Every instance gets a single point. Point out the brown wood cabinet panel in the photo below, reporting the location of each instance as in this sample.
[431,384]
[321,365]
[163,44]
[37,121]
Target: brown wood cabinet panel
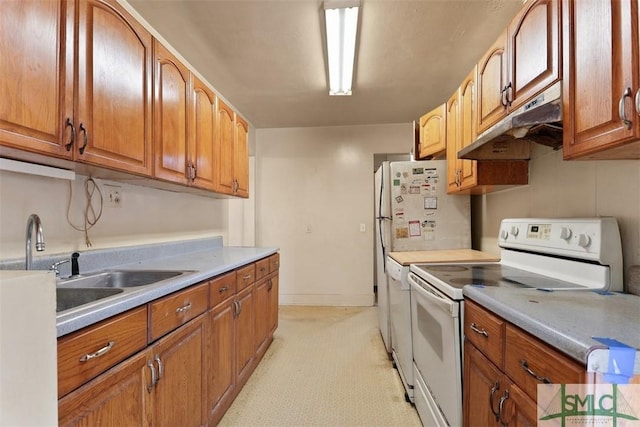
[262,268]
[433,133]
[241,157]
[171,97]
[221,288]
[221,356]
[180,393]
[245,335]
[454,139]
[468,121]
[167,313]
[482,389]
[113,111]
[534,51]
[117,398]
[36,87]
[203,126]
[245,276]
[492,79]
[262,314]
[274,303]
[519,410]
[84,354]
[600,42]
[223,149]
[485,331]
[527,352]
[274,262]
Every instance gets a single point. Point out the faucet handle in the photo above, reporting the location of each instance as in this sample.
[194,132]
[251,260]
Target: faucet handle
[75,268]
[54,267]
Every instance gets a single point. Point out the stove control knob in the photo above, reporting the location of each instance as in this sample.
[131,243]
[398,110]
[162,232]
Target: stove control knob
[504,234]
[584,240]
[565,233]
[514,230]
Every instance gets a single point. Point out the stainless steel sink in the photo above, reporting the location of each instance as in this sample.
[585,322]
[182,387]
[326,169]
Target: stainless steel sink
[119,279]
[67,298]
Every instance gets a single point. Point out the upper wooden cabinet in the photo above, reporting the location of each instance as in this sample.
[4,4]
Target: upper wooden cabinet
[601,84]
[231,152]
[170,131]
[524,61]
[113,110]
[433,134]
[36,87]
[203,128]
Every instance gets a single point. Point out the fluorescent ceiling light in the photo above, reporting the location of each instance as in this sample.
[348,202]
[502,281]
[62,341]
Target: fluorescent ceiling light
[341,19]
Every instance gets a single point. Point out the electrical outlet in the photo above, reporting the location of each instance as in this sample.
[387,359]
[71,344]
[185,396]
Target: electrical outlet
[113,199]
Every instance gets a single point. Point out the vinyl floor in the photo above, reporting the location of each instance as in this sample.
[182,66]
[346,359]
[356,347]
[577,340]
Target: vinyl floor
[327,366]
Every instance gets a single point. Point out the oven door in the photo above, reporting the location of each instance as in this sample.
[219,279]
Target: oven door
[437,352]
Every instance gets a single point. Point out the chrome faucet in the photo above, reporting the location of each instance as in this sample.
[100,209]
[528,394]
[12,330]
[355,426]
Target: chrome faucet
[34,220]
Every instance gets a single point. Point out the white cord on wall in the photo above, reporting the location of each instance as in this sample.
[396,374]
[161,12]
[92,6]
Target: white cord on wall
[90,216]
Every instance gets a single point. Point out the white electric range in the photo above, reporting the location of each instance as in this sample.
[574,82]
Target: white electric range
[546,254]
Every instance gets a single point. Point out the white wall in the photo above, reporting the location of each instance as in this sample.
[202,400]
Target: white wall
[559,188]
[322,178]
[146,216]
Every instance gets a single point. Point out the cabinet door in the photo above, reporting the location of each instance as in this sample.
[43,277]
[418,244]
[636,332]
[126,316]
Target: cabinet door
[203,127]
[245,340]
[221,356]
[179,394]
[241,158]
[453,142]
[119,397]
[36,88]
[483,389]
[599,46]
[519,410]
[468,177]
[224,146]
[274,303]
[433,133]
[261,329]
[113,116]
[534,51]
[492,76]
[171,95]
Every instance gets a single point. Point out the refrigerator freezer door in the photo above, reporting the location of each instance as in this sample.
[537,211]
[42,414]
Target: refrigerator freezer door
[423,216]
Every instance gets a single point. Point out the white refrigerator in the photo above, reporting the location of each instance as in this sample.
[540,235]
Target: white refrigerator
[414,213]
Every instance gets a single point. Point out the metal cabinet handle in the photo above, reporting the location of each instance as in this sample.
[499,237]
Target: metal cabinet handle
[475,329]
[270,286]
[104,350]
[73,134]
[154,378]
[638,101]
[160,367]
[223,289]
[503,399]
[239,307]
[622,108]
[503,101]
[495,388]
[507,90]
[85,138]
[525,366]
[247,277]
[184,308]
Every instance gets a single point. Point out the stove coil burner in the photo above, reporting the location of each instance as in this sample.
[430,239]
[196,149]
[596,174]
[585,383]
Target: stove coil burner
[446,268]
[473,281]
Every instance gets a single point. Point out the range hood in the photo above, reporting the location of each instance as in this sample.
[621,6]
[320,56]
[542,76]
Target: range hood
[539,121]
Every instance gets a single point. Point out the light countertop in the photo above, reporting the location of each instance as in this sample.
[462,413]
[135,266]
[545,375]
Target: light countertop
[566,320]
[447,255]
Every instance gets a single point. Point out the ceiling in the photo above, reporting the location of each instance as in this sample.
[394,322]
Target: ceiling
[267,57]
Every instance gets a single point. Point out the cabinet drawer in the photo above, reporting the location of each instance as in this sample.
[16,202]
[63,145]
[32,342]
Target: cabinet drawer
[262,268]
[274,263]
[176,309]
[222,288]
[527,353]
[484,330]
[245,276]
[85,354]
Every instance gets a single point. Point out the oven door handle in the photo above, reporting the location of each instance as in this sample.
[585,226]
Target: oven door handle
[444,303]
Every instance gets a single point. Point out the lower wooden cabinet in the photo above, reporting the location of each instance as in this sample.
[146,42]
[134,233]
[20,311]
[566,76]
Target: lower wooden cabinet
[187,377]
[118,397]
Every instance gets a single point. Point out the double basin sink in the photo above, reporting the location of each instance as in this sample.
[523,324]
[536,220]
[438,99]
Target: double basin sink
[76,291]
